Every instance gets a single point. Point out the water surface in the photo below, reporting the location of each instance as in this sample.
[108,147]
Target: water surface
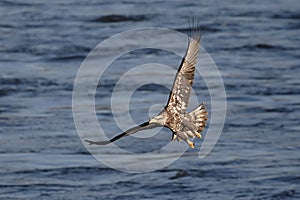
[256,47]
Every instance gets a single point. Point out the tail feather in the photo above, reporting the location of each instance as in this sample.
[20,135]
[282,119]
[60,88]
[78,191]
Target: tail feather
[197,121]
[199,117]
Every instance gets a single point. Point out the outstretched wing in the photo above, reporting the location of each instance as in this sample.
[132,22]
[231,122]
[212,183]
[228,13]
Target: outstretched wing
[180,94]
[130,131]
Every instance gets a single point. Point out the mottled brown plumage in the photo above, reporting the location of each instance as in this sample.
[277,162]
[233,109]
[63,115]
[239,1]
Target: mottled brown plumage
[183,124]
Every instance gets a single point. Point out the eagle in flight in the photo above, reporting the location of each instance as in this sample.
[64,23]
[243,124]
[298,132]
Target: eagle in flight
[183,124]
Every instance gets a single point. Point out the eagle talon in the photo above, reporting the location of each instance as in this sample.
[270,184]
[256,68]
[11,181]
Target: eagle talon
[191,144]
[198,135]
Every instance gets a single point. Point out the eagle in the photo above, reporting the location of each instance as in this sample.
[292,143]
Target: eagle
[184,125]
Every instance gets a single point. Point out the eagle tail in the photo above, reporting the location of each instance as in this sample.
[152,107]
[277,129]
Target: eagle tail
[199,117]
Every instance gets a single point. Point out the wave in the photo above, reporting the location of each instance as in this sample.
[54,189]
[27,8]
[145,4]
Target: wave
[119,18]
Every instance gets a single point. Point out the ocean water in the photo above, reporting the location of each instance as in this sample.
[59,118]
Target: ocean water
[255,45]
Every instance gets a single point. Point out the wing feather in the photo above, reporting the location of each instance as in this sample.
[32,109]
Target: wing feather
[180,94]
[130,131]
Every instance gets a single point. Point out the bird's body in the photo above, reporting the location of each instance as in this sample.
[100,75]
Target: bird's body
[183,125]
[174,116]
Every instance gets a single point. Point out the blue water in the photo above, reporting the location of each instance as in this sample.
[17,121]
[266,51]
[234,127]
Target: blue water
[256,47]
